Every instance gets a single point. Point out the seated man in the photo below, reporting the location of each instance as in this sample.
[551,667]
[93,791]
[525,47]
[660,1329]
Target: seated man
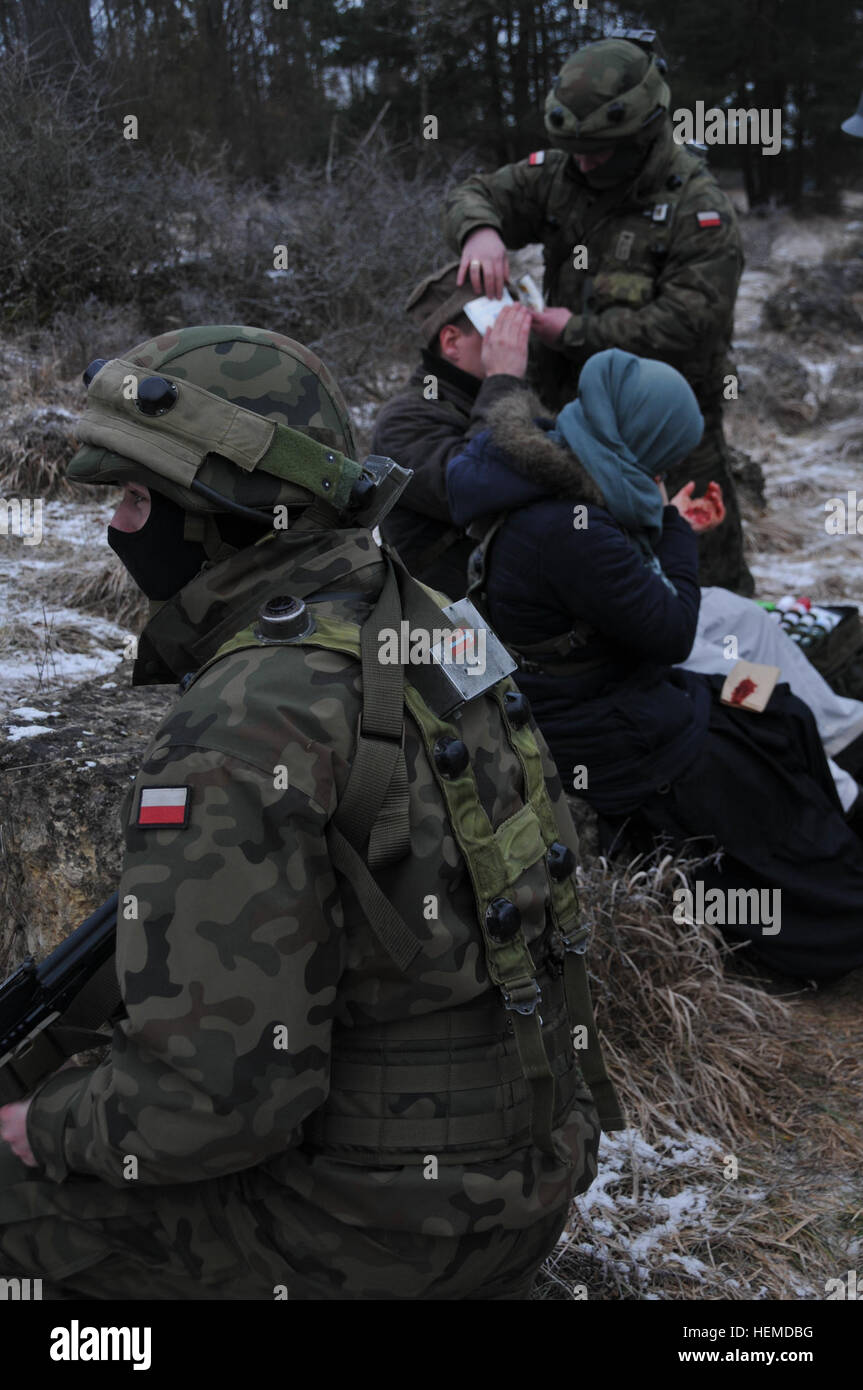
[424,433]
[460,375]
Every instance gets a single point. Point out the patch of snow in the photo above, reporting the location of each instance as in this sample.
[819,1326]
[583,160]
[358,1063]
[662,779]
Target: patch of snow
[19,731]
[27,712]
[53,411]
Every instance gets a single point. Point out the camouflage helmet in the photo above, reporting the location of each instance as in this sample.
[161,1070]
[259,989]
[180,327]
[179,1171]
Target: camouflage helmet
[222,418]
[607,93]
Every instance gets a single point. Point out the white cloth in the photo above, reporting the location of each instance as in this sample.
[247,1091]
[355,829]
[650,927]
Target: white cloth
[758,637]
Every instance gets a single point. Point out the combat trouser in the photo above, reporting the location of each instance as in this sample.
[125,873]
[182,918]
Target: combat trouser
[720,552]
[213,1240]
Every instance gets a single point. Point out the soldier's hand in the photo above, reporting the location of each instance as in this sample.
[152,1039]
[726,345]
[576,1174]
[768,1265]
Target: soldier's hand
[504,347]
[484,258]
[549,325]
[13,1129]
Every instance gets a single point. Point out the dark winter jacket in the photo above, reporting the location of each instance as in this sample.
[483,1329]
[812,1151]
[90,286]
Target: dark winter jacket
[629,720]
[424,435]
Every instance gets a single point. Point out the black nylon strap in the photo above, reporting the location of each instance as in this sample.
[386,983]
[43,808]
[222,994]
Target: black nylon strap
[437,548]
[75,1031]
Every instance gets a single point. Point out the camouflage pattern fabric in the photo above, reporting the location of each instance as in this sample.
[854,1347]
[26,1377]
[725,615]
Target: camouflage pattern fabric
[265,372]
[654,281]
[180,1166]
[605,94]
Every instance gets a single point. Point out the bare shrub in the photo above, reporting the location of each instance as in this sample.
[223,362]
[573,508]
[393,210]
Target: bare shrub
[76,199]
[357,240]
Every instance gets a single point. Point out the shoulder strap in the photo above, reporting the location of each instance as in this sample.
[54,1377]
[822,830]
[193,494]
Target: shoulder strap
[530,656]
[376,793]
[477,567]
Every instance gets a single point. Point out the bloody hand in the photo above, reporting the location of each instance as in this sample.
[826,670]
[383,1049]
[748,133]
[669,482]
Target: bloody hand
[703,513]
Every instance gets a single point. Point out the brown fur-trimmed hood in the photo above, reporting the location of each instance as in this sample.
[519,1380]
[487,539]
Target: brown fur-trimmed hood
[533,454]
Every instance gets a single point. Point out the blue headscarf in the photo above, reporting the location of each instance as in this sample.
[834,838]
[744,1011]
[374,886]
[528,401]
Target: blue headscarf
[632,420]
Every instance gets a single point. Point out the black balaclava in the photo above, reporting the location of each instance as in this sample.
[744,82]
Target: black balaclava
[621,168]
[158,557]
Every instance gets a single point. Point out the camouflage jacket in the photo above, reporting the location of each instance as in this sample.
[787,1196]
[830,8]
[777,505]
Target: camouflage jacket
[660,273]
[235,932]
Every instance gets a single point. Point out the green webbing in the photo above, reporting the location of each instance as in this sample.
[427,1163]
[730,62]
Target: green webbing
[510,965]
[580,1007]
[565,912]
[374,804]
[496,860]
[400,943]
[396,938]
[301,460]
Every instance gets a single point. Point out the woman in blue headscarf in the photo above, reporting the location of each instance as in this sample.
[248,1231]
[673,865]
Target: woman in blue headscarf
[592,581]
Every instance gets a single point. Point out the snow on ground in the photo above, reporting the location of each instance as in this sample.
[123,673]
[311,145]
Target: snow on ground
[644,1217]
[46,646]
[652,1205]
[631,1172]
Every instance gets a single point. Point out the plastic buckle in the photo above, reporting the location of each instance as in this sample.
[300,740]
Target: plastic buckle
[516,1001]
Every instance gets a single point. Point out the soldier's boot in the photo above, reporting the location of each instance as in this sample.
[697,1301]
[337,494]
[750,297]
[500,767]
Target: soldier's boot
[720,552]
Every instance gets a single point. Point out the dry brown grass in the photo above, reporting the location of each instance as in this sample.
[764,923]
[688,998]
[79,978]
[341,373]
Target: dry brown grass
[35,446]
[678,1025]
[106,590]
[711,1064]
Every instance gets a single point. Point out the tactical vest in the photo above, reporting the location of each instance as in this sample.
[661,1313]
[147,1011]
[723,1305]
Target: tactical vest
[471,1083]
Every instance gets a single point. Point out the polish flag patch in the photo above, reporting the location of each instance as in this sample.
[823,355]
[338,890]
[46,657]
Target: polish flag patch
[161,806]
[709,219]
[538,157]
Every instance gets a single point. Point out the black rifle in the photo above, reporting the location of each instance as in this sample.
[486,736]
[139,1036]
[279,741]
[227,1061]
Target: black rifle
[51,1010]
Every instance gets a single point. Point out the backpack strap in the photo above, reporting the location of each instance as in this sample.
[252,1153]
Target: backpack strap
[376,793]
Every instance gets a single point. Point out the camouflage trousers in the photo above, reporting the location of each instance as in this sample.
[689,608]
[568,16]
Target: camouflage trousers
[205,1241]
[720,552]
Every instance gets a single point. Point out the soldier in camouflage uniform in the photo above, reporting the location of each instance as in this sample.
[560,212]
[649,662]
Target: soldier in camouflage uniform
[642,252]
[332,1080]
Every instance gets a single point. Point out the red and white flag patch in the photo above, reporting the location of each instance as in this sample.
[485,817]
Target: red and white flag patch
[538,157]
[709,219]
[162,806]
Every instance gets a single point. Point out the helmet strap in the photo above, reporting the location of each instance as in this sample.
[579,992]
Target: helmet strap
[204,530]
